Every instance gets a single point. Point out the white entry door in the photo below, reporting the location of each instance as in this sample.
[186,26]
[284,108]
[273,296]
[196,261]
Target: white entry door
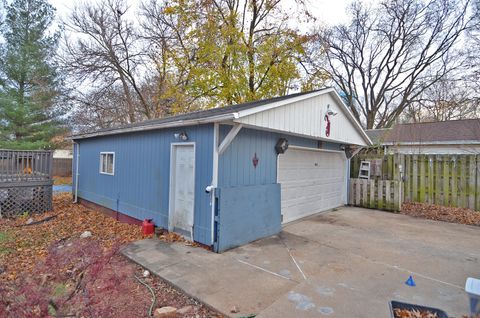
[182,189]
[311,181]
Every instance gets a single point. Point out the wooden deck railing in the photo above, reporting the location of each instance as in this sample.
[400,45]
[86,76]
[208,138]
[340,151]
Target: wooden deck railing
[25,182]
[24,166]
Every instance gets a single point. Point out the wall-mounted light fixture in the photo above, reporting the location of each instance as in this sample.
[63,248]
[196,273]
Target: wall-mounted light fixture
[181,136]
[330,112]
[281,146]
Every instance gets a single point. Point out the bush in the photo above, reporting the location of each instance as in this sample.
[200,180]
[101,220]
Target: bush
[73,281]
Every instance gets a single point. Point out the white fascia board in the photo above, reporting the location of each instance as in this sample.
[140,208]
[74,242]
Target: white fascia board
[178,123]
[251,111]
[296,134]
[331,91]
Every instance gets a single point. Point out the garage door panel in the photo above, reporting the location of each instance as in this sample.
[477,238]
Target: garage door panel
[311,181]
[311,198]
[313,185]
[312,192]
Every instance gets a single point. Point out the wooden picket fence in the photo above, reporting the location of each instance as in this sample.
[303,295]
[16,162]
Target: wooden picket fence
[449,180]
[375,194]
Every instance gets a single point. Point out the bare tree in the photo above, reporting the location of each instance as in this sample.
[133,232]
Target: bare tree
[391,53]
[94,109]
[447,99]
[107,58]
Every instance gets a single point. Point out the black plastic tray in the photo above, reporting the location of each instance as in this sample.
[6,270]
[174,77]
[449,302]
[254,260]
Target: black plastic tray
[396,304]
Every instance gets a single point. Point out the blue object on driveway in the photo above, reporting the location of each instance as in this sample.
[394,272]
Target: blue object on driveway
[62,188]
[410,281]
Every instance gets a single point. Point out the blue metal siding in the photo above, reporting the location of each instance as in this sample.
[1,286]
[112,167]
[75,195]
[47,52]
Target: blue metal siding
[140,186]
[249,197]
[246,214]
[235,164]
[235,167]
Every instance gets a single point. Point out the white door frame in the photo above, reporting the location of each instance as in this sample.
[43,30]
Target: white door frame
[171,197]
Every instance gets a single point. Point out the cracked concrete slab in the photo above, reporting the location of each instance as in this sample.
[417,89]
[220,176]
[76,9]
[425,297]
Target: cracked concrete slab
[345,263]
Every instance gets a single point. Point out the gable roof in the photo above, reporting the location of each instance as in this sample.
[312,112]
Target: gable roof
[220,114]
[442,132]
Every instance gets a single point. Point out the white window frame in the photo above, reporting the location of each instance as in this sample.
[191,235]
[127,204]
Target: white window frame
[113,162]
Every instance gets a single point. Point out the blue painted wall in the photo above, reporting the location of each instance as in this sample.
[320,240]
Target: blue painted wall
[140,186]
[249,197]
[235,166]
[246,214]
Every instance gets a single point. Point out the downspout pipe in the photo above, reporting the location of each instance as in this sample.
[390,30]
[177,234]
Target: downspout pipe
[77,159]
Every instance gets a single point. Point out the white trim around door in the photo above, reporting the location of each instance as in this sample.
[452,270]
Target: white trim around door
[185,225]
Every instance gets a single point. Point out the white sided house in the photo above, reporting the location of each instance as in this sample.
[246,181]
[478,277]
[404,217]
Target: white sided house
[225,176]
[454,137]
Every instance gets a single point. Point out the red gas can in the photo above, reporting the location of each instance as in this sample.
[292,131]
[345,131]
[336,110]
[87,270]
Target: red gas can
[147,227]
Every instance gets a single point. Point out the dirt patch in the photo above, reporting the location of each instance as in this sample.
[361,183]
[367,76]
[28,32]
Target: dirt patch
[442,213]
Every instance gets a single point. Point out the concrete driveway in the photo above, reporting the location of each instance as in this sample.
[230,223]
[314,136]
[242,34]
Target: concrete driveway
[345,263]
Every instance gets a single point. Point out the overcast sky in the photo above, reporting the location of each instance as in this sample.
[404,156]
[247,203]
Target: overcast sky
[327,11]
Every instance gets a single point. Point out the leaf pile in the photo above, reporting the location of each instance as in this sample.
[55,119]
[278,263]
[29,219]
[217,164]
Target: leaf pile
[442,213]
[80,279]
[21,247]
[57,180]
[413,313]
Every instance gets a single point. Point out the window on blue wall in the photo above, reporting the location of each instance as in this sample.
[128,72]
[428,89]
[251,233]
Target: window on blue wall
[107,163]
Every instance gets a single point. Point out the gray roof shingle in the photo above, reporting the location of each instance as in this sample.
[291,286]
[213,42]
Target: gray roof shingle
[437,132]
[202,114]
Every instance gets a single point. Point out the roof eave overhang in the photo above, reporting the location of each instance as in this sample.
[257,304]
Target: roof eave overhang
[231,116]
[331,91]
[286,132]
[177,123]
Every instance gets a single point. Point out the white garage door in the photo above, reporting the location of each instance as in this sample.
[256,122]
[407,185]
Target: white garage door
[311,181]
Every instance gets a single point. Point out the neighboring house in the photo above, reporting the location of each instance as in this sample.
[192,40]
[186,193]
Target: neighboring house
[225,176]
[446,137]
[63,153]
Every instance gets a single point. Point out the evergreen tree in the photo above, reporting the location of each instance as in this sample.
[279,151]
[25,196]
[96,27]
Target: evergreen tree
[29,80]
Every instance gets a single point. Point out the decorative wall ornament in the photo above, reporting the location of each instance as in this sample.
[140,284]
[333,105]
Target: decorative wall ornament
[255,160]
[328,114]
[327,127]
